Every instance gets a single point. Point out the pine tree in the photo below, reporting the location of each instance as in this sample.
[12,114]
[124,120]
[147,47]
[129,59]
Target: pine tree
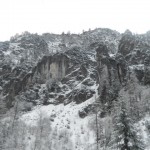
[125,135]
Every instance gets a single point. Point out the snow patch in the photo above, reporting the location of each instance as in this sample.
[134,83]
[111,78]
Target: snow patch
[138,67]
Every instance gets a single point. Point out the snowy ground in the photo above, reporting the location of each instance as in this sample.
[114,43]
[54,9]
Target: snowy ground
[143,130]
[66,118]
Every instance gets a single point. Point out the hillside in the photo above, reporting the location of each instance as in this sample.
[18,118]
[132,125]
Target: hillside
[88,91]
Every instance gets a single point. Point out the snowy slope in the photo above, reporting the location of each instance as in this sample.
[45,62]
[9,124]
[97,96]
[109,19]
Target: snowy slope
[66,118]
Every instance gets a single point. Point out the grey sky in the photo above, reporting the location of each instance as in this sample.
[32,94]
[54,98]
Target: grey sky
[40,16]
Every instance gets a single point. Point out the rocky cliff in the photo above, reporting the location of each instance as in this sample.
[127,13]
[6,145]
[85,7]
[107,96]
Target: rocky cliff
[89,73]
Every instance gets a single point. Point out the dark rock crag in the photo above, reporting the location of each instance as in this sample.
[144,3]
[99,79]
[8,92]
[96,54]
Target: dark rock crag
[102,56]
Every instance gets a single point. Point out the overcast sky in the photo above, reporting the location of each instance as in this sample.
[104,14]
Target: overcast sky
[40,16]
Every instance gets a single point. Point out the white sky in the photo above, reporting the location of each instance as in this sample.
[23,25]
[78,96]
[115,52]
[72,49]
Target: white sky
[40,16]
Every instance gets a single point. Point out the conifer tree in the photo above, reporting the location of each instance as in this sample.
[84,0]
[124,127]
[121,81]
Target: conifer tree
[125,135]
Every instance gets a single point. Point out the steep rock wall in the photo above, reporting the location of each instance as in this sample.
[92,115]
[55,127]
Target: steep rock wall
[112,74]
[49,68]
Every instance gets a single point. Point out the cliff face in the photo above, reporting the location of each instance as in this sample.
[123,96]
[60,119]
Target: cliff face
[104,64]
[115,71]
[112,72]
[49,68]
[136,49]
[29,60]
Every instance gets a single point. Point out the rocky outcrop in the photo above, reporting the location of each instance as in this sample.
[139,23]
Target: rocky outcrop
[127,43]
[114,71]
[80,95]
[38,75]
[111,72]
[50,68]
[147,70]
[135,50]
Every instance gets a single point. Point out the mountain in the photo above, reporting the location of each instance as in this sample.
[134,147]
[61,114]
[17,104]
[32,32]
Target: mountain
[88,91]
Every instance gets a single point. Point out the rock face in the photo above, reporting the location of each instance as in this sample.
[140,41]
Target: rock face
[135,49]
[49,68]
[114,71]
[111,72]
[127,43]
[147,70]
[52,69]
[80,95]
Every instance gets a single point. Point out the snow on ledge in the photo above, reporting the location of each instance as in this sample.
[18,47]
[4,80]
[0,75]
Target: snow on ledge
[137,67]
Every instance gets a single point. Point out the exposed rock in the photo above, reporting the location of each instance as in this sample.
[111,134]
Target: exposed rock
[147,70]
[127,43]
[87,110]
[111,73]
[88,82]
[80,95]
[82,114]
[60,98]
[139,74]
[43,76]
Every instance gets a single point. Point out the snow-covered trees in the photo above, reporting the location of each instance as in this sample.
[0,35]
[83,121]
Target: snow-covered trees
[125,135]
